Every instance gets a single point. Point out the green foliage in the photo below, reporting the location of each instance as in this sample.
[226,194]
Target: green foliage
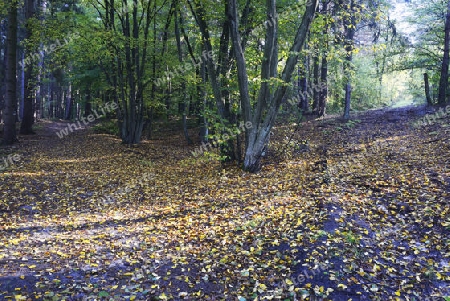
[107,126]
[367,88]
[424,53]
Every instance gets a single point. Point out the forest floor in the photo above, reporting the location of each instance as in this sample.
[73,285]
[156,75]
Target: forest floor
[359,212]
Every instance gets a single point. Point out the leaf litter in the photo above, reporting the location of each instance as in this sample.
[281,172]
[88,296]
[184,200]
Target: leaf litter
[362,215]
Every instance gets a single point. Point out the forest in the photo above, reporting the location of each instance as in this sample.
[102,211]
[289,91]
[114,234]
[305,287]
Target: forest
[225,150]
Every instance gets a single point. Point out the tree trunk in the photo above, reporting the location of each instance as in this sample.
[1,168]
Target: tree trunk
[68,103]
[427,89]
[323,92]
[218,73]
[10,111]
[26,127]
[131,73]
[211,65]
[185,101]
[347,100]
[88,104]
[3,31]
[443,83]
[315,80]
[349,26]
[259,121]
[204,129]
[303,87]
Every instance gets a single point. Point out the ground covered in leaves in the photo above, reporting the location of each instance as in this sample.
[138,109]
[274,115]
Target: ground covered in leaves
[340,211]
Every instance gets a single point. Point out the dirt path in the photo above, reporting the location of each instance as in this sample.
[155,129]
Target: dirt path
[85,217]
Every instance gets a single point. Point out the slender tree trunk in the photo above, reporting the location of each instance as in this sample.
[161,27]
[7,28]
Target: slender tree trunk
[38,94]
[218,72]
[185,101]
[60,102]
[349,25]
[427,89]
[323,92]
[88,104]
[303,86]
[315,80]
[51,97]
[20,78]
[68,103]
[28,112]
[10,111]
[136,46]
[213,75]
[204,130]
[443,83]
[259,121]
[153,90]
[347,100]
[3,32]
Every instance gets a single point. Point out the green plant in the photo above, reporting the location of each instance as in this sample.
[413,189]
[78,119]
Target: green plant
[107,126]
[147,163]
[351,238]
[352,123]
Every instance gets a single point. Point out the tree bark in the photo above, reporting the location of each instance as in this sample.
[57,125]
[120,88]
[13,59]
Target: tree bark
[69,103]
[323,92]
[218,72]
[427,89]
[315,80]
[443,83]
[268,104]
[303,87]
[3,32]
[349,26]
[133,68]
[185,101]
[10,111]
[26,127]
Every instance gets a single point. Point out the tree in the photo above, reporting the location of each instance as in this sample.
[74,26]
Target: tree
[322,101]
[185,101]
[218,68]
[262,116]
[10,110]
[28,112]
[127,28]
[443,83]
[430,19]
[350,30]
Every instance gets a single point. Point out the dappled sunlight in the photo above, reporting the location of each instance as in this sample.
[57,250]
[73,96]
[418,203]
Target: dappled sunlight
[224,150]
[78,160]
[160,223]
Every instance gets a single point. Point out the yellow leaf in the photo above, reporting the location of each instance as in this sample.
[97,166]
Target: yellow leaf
[132,297]
[397,293]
